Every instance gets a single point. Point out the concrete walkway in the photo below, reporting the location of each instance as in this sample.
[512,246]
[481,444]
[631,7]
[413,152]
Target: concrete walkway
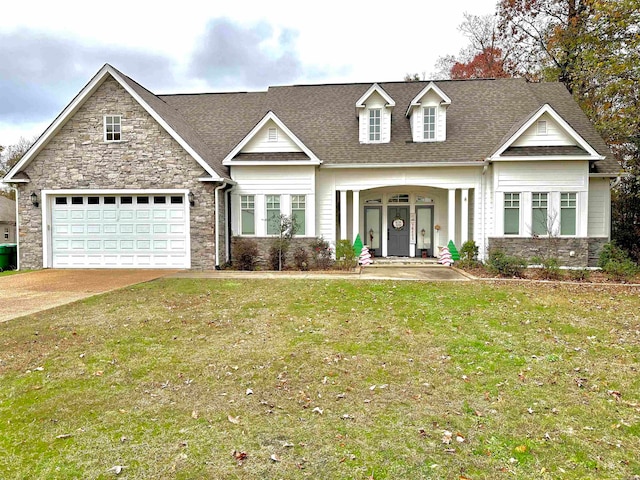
[431,273]
[30,292]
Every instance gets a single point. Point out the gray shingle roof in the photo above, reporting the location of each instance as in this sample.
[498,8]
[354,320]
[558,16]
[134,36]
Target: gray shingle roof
[538,151]
[483,113]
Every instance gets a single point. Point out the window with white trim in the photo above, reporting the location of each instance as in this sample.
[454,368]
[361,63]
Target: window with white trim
[298,212]
[511,213]
[273,214]
[247,215]
[539,213]
[112,128]
[568,213]
[429,123]
[375,118]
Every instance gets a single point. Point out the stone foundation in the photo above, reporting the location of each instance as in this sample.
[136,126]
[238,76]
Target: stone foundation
[585,250]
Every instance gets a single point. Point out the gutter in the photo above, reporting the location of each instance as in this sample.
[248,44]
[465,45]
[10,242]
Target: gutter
[17,228]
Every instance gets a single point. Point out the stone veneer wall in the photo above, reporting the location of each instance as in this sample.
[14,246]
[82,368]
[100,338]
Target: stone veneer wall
[148,157]
[595,247]
[584,248]
[264,243]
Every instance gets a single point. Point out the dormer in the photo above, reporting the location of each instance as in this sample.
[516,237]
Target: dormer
[427,114]
[374,113]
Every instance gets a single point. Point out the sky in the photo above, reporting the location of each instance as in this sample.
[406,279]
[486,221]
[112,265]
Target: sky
[50,49]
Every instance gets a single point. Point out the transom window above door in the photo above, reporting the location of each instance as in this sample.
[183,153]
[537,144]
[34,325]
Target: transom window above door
[399,198]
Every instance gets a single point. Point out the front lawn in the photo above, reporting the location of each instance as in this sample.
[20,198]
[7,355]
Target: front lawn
[325,380]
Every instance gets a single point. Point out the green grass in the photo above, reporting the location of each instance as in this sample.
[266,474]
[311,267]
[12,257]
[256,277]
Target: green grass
[540,381]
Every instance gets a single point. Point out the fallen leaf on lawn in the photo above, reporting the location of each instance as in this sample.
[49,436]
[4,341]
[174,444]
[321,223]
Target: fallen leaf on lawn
[39,369]
[234,420]
[446,437]
[275,458]
[65,435]
[459,438]
[249,391]
[239,456]
[194,415]
[287,445]
[98,373]
[449,450]
[116,469]
[615,394]
[521,448]
[317,410]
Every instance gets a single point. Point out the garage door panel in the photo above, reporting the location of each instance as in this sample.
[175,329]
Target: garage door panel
[119,231]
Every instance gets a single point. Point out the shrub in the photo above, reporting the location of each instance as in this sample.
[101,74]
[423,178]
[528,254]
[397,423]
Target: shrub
[610,251]
[345,256]
[549,267]
[468,254]
[621,270]
[321,254]
[504,265]
[245,253]
[301,258]
[580,275]
[278,253]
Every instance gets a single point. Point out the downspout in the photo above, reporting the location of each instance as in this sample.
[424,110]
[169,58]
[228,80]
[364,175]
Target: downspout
[217,221]
[485,167]
[17,229]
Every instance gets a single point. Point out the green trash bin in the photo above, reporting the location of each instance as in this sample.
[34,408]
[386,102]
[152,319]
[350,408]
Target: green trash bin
[13,255]
[4,258]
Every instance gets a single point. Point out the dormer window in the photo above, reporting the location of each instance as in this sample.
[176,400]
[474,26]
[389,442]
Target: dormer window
[373,110]
[112,128]
[429,123]
[374,124]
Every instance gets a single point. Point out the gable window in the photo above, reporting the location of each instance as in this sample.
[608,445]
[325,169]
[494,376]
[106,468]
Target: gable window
[429,123]
[568,208]
[298,205]
[539,214]
[375,115]
[511,213]
[247,209]
[112,128]
[273,214]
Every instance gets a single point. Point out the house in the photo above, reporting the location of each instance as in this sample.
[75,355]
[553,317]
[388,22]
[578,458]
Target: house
[7,220]
[127,178]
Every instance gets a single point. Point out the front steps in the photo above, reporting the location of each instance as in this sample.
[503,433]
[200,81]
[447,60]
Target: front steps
[404,262]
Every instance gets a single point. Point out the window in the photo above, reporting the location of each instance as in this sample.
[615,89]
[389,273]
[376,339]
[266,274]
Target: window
[61,200]
[109,200]
[77,200]
[126,200]
[160,200]
[112,128]
[142,200]
[568,207]
[273,214]
[429,123]
[176,199]
[399,198]
[272,135]
[374,124]
[539,214]
[247,209]
[298,204]
[93,200]
[542,127]
[511,213]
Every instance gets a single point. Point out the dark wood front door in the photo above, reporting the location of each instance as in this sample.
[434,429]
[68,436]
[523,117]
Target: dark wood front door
[398,231]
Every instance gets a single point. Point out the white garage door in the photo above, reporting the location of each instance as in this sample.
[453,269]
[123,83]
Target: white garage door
[119,231]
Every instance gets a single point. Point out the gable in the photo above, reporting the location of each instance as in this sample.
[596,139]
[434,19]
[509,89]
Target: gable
[270,139]
[544,132]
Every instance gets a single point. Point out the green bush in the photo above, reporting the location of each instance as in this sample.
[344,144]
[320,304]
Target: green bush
[345,256]
[321,254]
[301,258]
[468,255]
[621,270]
[610,251]
[505,265]
[580,275]
[245,253]
[278,253]
[549,267]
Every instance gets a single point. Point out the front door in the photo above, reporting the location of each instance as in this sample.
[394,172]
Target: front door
[398,231]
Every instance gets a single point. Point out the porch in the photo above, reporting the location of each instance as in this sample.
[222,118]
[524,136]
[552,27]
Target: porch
[408,221]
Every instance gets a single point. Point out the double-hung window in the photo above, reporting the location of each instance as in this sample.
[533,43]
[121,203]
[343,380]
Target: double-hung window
[112,128]
[298,207]
[568,209]
[539,213]
[248,214]
[374,124]
[429,123]
[511,213]
[273,214]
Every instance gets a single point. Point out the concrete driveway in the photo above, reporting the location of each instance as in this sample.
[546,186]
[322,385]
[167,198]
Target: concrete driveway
[31,292]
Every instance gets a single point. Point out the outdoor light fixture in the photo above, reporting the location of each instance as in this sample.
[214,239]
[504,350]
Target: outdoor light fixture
[192,200]
[34,199]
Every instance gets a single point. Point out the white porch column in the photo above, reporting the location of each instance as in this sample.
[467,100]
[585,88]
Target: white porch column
[452,216]
[464,216]
[356,214]
[343,214]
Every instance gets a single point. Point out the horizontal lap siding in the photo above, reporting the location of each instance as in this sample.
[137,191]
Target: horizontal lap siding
[599,207]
